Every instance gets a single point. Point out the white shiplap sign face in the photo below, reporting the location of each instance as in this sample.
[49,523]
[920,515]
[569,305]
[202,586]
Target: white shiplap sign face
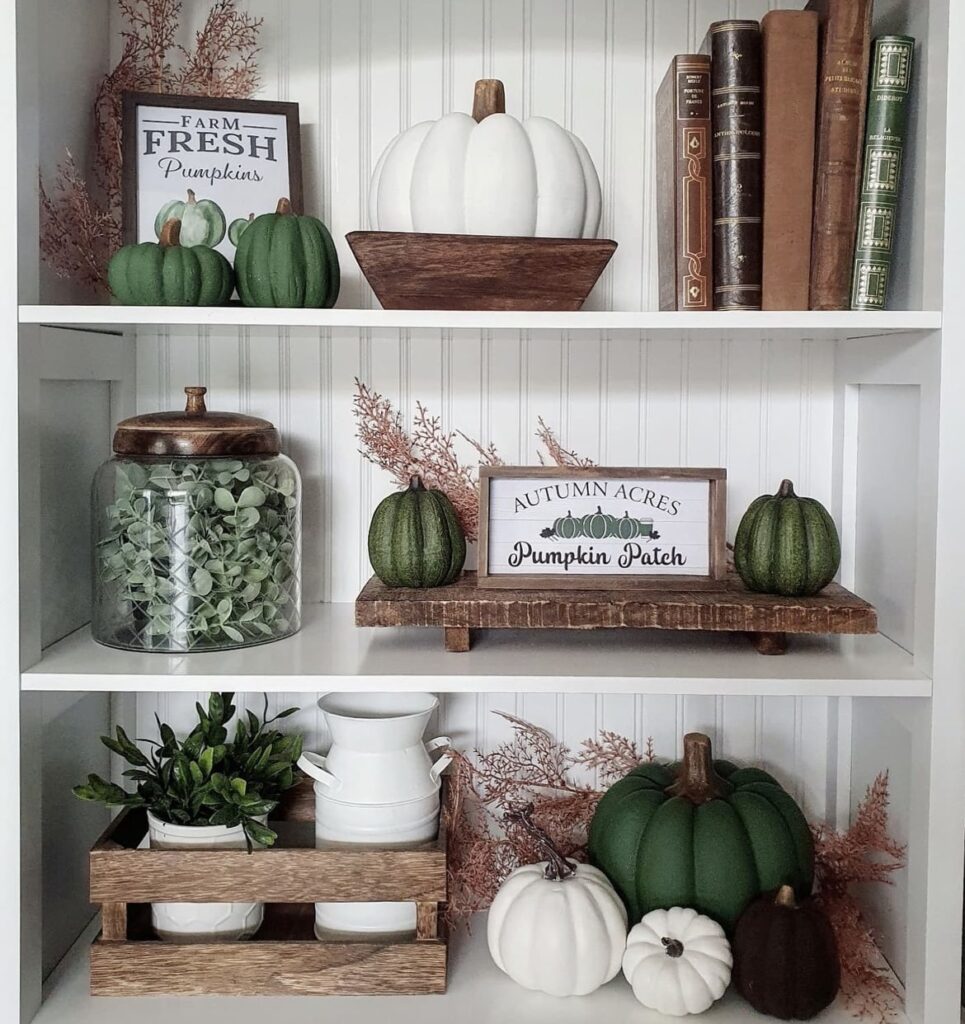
[605,526]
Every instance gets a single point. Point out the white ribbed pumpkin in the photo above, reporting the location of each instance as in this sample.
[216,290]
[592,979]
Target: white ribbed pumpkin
[677,961]
[488,174]
[558,927]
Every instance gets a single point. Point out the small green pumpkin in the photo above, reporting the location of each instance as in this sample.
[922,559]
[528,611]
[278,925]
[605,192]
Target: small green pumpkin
[702,834]
[202,220]
[787,545]
[237,228]
[598,524]
[168,274]
[626,528]
[287,261]
[567,527]
[415,539]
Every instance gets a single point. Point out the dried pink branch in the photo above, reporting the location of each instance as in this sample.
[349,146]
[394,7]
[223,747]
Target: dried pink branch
[559,455]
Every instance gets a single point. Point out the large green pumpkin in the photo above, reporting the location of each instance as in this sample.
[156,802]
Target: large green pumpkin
[415,539]
[168,274]
[702,834]
[286,261]
[202,221]
[787,545]
[598,524]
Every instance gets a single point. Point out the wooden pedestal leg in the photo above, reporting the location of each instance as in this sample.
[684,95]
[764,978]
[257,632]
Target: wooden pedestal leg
[769,643]
[426,922]
[114,922]
[457,639]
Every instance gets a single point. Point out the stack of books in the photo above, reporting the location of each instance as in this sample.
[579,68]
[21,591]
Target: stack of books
[779,158]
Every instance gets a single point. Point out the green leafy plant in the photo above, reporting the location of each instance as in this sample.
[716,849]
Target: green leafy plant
[206,779]
[197,554]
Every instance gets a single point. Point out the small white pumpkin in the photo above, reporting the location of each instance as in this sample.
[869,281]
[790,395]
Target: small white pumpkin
[677,961]
[488,174]
[557,927]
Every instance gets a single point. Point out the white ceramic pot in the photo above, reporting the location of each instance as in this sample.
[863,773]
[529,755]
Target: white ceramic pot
[202,922]
[379,786]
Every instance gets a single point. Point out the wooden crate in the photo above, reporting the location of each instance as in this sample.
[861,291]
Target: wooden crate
[766,619]
[284,958]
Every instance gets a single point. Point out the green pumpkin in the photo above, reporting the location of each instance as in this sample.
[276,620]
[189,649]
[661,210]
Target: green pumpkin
[701,834]
[286,261]
[237,228]
[598,524]
[415,539]
[787,545]
[568,528]
[168,274]
[625,528]
[202,221]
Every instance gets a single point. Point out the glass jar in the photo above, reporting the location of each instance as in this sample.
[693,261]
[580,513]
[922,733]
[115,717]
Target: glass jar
[196,545]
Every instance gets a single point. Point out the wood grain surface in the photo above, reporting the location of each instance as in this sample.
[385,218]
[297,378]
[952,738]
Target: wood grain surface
[412,270]
[730,607]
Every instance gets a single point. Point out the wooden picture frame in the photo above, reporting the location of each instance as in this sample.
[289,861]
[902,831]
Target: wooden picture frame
[716,560]
[210,142]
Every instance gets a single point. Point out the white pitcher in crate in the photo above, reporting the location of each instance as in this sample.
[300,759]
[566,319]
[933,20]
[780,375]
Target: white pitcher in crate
[378,785]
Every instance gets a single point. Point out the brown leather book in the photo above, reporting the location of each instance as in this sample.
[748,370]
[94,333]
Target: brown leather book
[790,56]
[684,214]
[842,99]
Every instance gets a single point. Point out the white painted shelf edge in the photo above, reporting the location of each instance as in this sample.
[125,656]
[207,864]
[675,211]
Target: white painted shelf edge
[478,994]
[843,324]
[331,652]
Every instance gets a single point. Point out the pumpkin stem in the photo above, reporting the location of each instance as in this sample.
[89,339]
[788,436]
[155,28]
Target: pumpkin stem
[697,780]
[785,898]
[170,233]
[415,483]
[284,206]
[558,868]
[786,490]
[192,198]
[195,405]
[489,98]
[673,947]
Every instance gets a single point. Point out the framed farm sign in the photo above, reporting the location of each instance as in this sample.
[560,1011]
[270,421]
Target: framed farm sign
[601,528]
[209,162]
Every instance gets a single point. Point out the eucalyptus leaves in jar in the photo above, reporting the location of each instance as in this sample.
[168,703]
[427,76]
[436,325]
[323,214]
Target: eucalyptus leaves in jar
[196,522]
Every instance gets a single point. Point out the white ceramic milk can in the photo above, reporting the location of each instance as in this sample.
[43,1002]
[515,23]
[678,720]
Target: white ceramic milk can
[377,785]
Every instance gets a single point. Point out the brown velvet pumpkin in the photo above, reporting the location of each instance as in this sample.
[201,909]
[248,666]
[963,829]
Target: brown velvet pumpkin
[785,957]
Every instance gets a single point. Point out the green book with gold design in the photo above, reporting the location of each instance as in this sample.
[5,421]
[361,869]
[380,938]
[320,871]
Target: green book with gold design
[892,59]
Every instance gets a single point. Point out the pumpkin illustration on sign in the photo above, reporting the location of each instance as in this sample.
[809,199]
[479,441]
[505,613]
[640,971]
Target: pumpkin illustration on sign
[237,228]
[785,957]
[415,539]
[202,220]
[556,927]
[487,174]
[702,834]
[787,545]
[285,261]
[168,274]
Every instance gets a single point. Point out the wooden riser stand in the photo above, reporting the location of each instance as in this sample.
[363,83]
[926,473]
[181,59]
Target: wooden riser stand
[284,958]
[767,620]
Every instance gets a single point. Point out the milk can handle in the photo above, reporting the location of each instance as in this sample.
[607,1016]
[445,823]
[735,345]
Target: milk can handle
[443,762]
[313,765]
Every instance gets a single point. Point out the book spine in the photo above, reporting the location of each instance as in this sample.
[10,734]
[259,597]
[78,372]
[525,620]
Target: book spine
[684,181]
[790,82]
[736,115]
[842,98]
[891,76]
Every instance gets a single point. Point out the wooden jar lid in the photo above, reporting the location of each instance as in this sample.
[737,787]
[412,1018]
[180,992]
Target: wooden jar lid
[195,432]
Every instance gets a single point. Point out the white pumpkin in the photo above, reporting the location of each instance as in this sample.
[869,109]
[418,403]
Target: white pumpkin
[488,174]
[677,961]
[558,927]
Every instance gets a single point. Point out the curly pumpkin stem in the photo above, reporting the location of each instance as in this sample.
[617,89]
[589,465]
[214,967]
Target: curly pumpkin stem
[786,490]
[674,948]
[558,868]
[284,206]
[489,98]
[170,233]
[785,898]
[697,780]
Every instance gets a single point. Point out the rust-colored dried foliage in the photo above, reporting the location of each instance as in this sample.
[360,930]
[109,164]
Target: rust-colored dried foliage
[80,221]
[431,452]
[534,767]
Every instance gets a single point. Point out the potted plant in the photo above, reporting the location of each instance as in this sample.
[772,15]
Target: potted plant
[205,792]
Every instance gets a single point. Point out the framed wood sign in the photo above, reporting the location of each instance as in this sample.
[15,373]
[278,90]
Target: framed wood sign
[210,162]
[601,528]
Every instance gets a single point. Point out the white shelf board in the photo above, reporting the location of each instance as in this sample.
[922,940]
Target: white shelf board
[839,324]
[478,993]
[332,653]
